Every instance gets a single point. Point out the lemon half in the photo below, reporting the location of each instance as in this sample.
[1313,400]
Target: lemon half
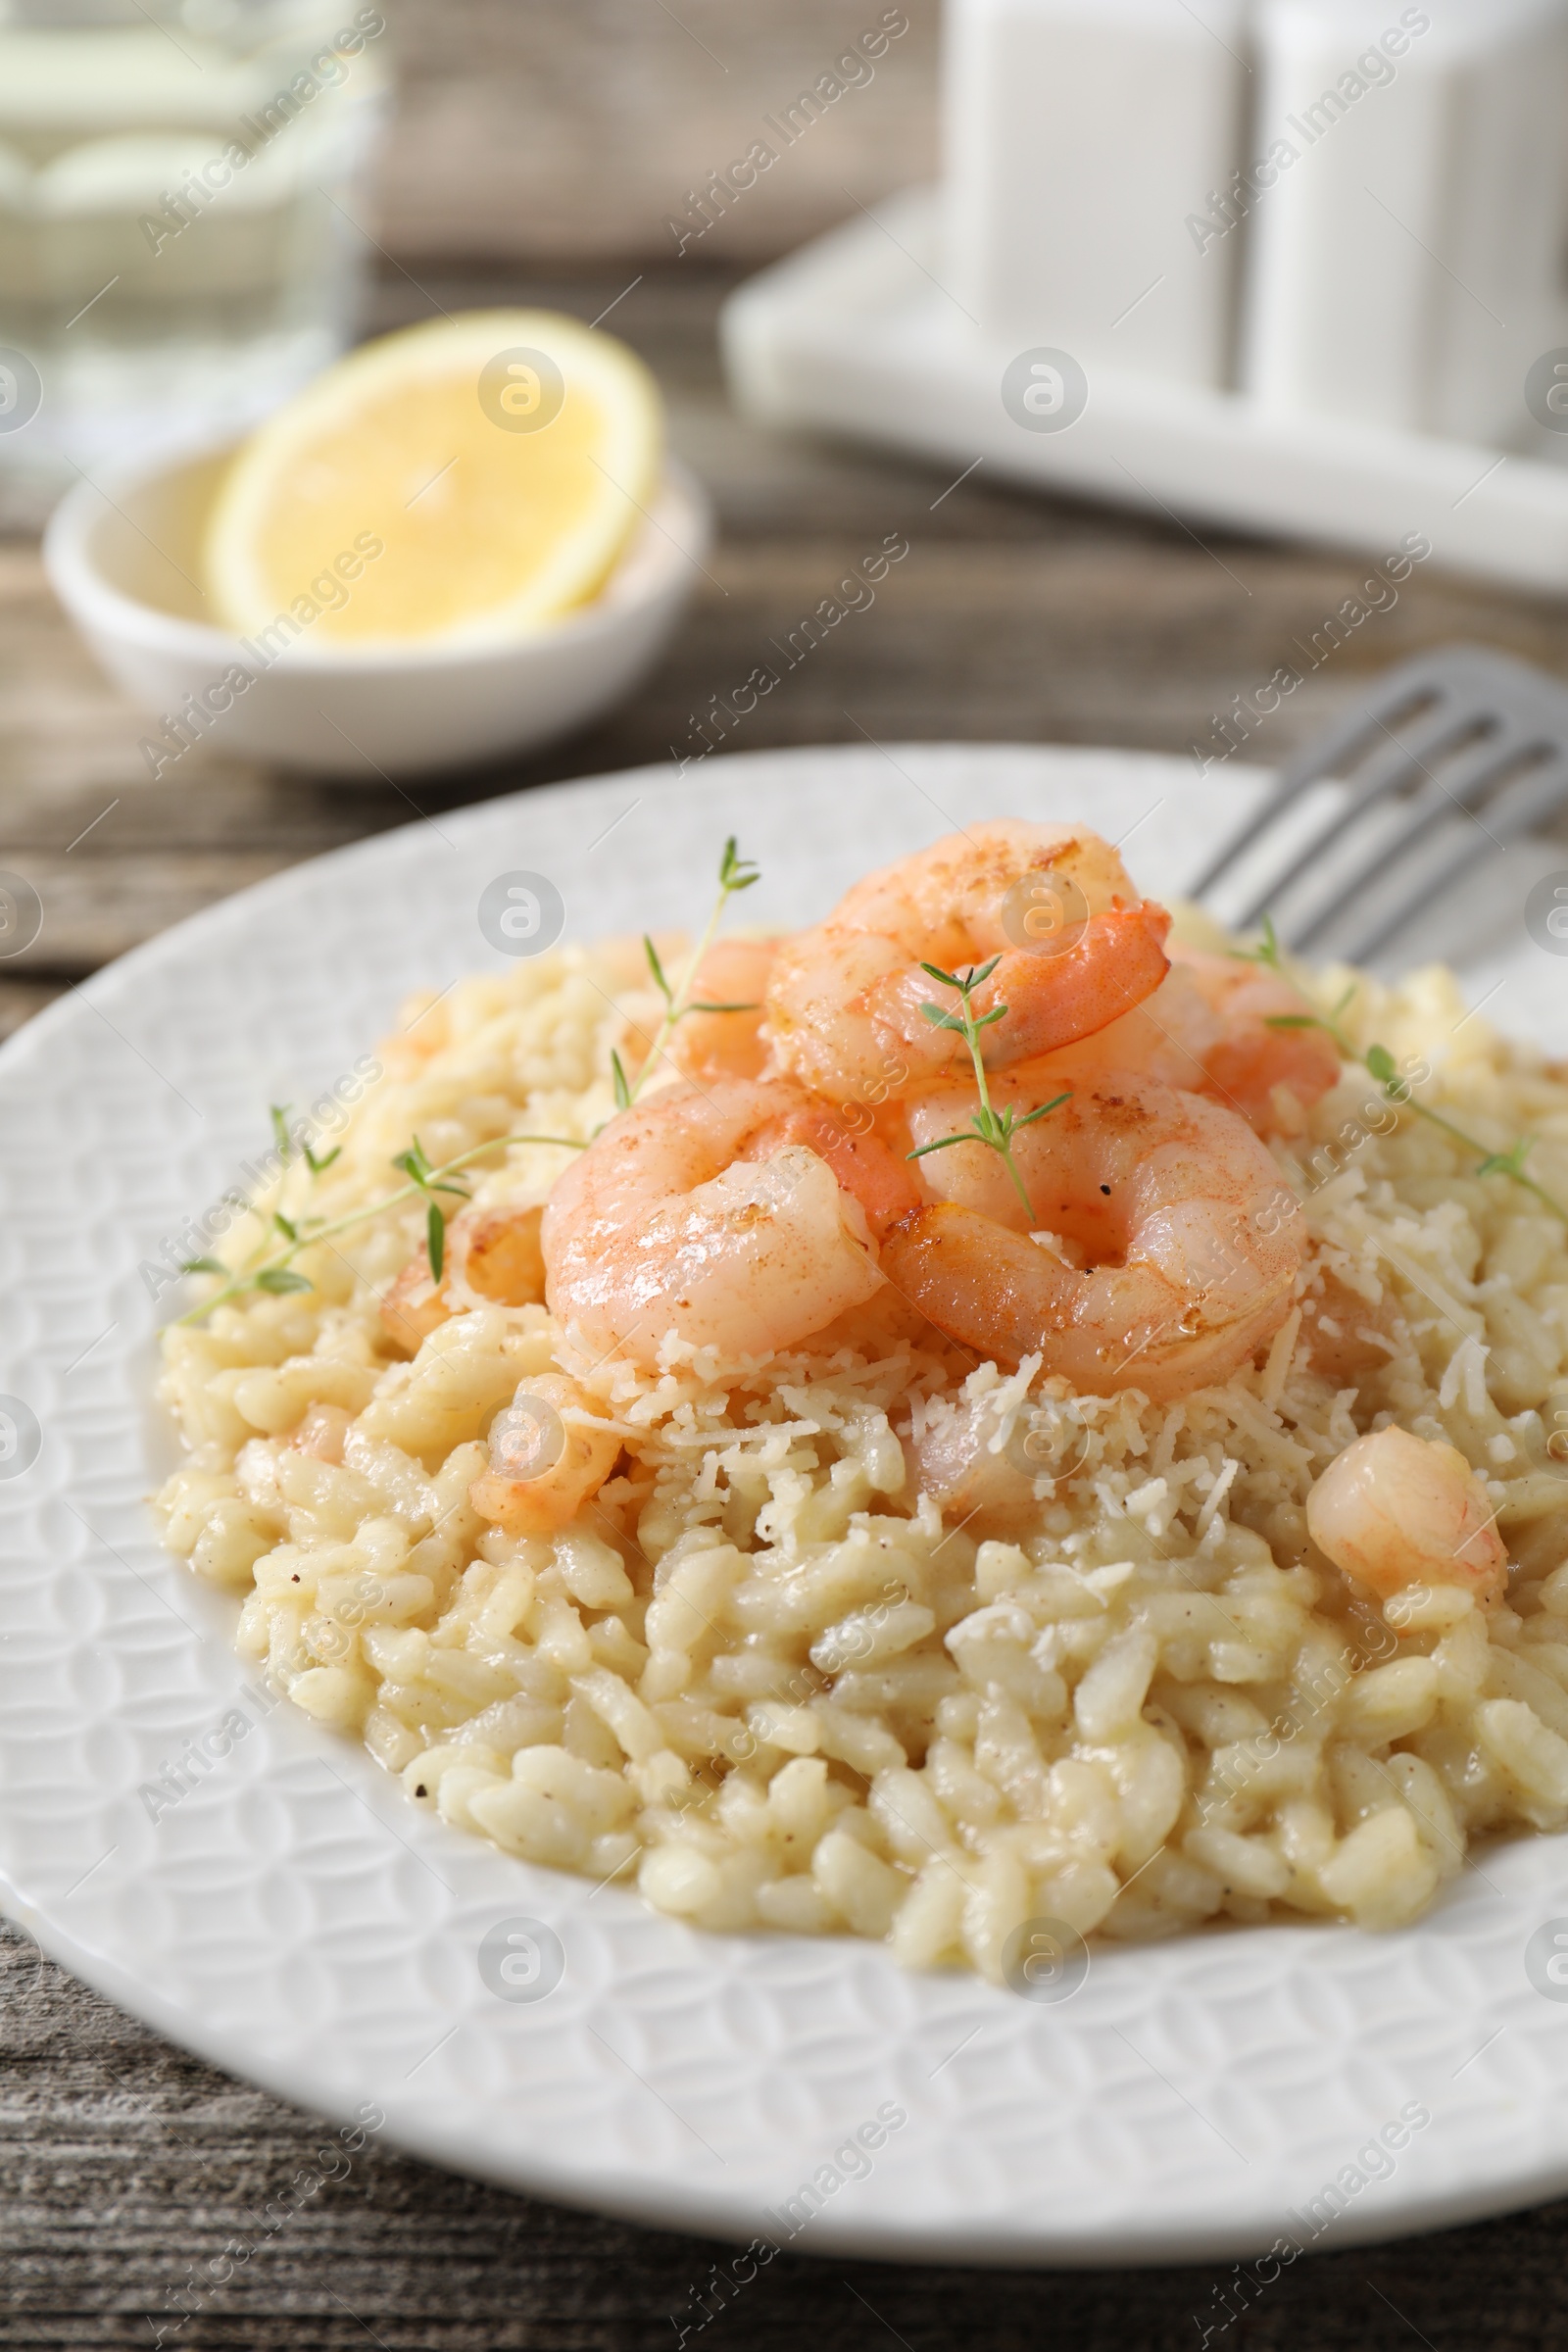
[473,478]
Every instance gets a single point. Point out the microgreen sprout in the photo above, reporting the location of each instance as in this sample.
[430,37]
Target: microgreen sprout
[993,1128]
[277,1273]
[735,874]
[415,1165]
[1380,1065]
[316,1161]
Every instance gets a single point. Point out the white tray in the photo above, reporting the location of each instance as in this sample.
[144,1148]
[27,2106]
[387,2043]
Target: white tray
[855,335]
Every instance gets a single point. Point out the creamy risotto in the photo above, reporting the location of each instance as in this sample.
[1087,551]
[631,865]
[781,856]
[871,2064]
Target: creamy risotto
[874,1632]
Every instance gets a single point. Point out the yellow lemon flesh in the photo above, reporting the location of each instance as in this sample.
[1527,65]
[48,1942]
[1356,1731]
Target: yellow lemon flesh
[472,478]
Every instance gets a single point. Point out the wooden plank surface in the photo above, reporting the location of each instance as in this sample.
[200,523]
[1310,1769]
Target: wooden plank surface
[550,131]
[124,2165]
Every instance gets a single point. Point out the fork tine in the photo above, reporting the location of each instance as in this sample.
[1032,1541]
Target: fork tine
[1445,734]
[1485,768]
[1341,746]
[1279,799]
[1442,701]
[1406,694]
[1539,797]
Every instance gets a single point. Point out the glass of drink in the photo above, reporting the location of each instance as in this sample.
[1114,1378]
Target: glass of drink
[177,243]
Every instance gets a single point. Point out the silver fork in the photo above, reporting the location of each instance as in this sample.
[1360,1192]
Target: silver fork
[1451,757]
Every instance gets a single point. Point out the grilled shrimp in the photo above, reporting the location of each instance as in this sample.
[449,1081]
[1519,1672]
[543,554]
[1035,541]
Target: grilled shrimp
[735,972]
[1168,1254]
[1076,948]
[1205,1029]
[664,1224]
[492,1259]
[548,1454]
[747,1213]
[1395,1509]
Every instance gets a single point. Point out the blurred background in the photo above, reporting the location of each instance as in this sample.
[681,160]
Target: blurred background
[480,152]
[569,133]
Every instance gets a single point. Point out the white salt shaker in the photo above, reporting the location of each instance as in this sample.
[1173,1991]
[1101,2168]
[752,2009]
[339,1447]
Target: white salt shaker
[1404,266]
[1079,135]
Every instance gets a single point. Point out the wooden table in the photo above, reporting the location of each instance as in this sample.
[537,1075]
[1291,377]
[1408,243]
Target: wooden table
[124,2165]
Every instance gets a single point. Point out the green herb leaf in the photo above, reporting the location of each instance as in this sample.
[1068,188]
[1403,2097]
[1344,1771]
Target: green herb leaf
[658,970]
[1267,951]
[435,1239]
[278,1277]
[285,1226]
[285,1142]
[1379,1063]
[988,1126]
[734,873]
[1291,1020]
[1510,1162]
[1383,1067]
[414,1164]
[943,1144]
[1056,1104]
[319,1166]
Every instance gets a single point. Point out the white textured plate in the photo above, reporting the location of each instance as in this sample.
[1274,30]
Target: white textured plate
[294,1919]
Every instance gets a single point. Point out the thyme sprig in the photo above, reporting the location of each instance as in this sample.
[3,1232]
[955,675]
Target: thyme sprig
[993,1128]
[1380,1065]
[316,1162]
[415,1165]
[735,874]
[277,1273]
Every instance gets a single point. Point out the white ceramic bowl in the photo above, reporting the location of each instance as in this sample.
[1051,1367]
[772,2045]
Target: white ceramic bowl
[122,558]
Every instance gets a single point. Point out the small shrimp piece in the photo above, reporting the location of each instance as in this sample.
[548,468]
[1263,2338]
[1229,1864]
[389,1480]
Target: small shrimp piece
[1174,1254]
[546,1459]
[416,1304]
[322,1432]
[1346,1338]
[496,1256]
[491,1257]
[1243,1059]
[1394,1509]
[706,1046]
[844,1005]
[1205,1029]
[662,1226]
[957,1461]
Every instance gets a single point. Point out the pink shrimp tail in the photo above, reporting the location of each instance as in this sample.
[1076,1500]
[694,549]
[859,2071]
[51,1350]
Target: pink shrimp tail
[1117,962]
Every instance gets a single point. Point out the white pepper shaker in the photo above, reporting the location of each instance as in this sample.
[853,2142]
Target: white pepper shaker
[1079,135]
[1405,267]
